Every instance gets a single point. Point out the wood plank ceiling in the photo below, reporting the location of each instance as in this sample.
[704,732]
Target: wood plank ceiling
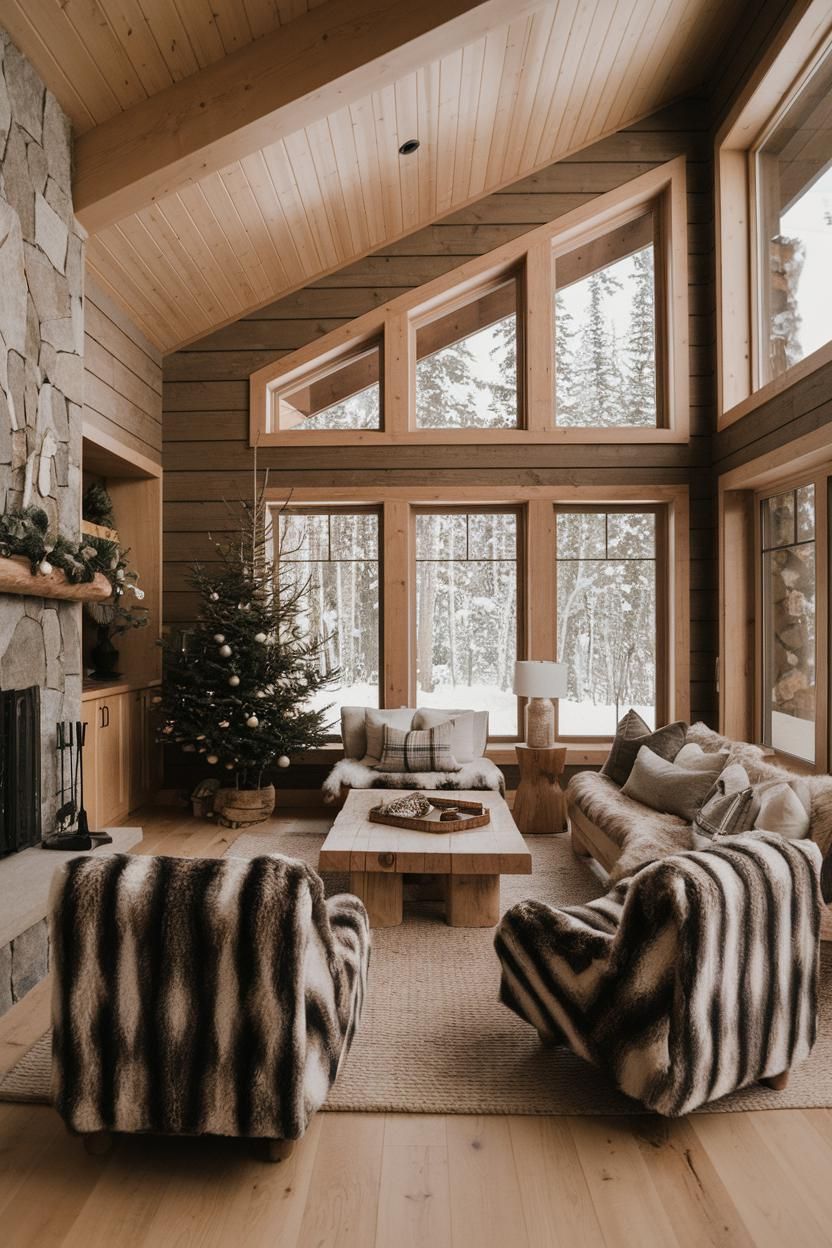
[530,92]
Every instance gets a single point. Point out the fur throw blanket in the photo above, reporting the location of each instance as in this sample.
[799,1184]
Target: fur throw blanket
[349,773]
[696,976]
[197,996]
[642,833]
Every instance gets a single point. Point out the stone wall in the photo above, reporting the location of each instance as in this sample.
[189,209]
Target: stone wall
[41,382]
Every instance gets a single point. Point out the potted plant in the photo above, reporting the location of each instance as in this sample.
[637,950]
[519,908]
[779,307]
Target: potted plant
[114,616]
[236,693]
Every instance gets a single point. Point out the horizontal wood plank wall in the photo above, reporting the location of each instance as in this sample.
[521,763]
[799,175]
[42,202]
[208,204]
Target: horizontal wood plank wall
[206,454]
[122,377]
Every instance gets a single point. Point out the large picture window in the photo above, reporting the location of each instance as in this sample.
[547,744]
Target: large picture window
[607,623]
[793,174]
[605,331]
[336,555]
[788,593]
[467,612]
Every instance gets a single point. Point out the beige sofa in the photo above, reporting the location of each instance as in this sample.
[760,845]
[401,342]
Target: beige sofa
[623,835]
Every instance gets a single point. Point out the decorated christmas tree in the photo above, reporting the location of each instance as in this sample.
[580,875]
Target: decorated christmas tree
[238,686]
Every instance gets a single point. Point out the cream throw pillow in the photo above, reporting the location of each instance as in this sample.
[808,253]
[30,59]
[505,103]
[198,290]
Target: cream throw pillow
[695,758]
[462,729]
[781,810]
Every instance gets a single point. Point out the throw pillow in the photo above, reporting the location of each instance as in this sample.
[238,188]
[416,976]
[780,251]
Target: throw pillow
[781,810]
[374,724]
[417,751]
[630,735]
[462,729]
[695,758]
[661,785]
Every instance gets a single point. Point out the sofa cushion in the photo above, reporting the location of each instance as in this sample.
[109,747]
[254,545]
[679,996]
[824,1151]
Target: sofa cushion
[663,786]
[430,716]
[725,813]
[374,724]
[462,729]
[781,810]
[630,735]
[694,757]
[642,834]
[429,750]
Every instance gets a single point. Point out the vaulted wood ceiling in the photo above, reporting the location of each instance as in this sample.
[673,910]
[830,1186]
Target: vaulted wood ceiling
[229,222]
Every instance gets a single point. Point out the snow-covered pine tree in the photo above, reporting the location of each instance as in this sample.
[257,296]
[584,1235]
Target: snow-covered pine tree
[640,346]
[445,388]
[502,406]
[237,694]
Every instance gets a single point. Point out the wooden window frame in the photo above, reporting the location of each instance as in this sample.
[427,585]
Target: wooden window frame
[521,589]
[663,603]
[532,255]
[537,591]
[777,78]
[323,508]
[740,666]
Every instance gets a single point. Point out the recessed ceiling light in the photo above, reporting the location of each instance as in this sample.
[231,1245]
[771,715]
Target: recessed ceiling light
[409,145]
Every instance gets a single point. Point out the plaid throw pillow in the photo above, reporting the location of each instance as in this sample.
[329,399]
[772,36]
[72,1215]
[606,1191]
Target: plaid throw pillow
[429,750]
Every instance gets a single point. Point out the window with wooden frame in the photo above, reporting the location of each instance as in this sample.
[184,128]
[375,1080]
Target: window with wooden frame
[612,605]
[575,331]
[774,204]
[788,601]
[468,611]
[344,394]
[467,363]
[609,309]
[774,602]
[334,552]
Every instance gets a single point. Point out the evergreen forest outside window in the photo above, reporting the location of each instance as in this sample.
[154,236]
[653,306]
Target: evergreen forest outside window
[608,617]
[466,365]
[793,173]
[606,373]
[336,555]
[467,576]
[345,395]
[789,621]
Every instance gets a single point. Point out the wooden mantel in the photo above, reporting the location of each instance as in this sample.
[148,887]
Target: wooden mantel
[16,577]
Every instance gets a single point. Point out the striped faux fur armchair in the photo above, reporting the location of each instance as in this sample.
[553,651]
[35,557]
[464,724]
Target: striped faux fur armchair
[201,996]
[694,977]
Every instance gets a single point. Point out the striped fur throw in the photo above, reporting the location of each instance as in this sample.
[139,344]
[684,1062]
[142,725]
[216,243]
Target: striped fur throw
[690,979]
[200,996]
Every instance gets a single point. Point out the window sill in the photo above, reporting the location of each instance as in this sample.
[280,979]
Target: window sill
[797,373]
[578,754]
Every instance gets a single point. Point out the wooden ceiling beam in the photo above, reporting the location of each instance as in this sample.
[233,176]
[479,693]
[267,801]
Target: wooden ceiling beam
[280,83]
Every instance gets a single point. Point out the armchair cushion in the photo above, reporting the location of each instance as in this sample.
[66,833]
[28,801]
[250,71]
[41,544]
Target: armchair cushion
[214,996]
[653,982]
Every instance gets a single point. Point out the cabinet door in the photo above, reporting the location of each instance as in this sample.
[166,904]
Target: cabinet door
[112,759]
[90,714]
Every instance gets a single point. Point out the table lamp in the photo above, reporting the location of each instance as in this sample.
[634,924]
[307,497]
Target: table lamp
[539,682]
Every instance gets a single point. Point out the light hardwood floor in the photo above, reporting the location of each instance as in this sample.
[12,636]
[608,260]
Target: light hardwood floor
[399,1181]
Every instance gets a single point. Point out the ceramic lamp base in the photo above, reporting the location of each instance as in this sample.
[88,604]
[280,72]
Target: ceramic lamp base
[540,723]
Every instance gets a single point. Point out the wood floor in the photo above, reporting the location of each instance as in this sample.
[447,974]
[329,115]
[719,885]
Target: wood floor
[398,1181]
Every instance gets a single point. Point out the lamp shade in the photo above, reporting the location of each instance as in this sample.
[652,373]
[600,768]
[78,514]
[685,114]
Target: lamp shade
[539,679]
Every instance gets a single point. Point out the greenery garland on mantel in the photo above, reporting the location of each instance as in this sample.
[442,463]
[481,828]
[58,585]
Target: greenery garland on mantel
[94,561]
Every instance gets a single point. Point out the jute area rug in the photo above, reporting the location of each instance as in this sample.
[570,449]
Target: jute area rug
[434,1038]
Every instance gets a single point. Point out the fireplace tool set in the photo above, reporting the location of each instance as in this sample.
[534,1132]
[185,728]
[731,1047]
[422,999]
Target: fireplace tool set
[71,824]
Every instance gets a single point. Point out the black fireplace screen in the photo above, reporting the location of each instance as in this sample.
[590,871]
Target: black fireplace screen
[19,769]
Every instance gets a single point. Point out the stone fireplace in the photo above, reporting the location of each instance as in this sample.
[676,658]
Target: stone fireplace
[41,396]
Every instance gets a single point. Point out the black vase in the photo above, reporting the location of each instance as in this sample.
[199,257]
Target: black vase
[105,657]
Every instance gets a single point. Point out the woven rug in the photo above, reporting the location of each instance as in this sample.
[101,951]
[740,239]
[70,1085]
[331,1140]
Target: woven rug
[434,1038]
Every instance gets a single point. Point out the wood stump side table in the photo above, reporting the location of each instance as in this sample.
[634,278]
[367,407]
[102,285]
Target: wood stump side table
[539,803]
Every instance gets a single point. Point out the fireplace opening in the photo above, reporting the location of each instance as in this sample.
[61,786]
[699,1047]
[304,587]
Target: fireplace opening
[19,769]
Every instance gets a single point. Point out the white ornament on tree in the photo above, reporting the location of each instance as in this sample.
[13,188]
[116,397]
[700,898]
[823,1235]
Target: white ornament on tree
[260,693]
[252,722]
[212,759]
[225,652]
[219,638]
[234,681]
[224,723]
[260,638]
[44,567]
[214,596]
[283,761]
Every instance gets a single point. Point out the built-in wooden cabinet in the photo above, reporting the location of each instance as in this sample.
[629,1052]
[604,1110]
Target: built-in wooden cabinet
[121,757]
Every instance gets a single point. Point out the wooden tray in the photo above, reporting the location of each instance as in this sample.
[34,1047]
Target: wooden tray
[479,816]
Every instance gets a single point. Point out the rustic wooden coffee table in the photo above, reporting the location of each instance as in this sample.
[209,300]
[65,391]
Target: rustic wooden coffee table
[469,863]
